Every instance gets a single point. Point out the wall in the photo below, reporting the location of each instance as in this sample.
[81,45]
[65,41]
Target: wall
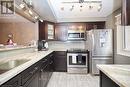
[110,23]
[23,30]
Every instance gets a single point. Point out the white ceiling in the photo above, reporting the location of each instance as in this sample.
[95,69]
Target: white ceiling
[108,6]
[51,10]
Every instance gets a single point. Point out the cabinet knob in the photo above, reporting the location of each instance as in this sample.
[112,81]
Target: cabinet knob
[44,61]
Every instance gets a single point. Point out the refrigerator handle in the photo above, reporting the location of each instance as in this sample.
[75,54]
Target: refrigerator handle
[92,41]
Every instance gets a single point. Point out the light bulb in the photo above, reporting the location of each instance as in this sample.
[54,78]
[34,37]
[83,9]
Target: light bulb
[22,6]
[30,12]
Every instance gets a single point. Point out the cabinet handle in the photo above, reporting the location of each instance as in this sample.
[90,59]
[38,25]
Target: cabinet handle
[51,62]
[35,69]
[44,61]
[44,67]
[51,55]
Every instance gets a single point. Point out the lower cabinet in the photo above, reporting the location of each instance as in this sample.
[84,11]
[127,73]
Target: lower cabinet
[33,82]
[14,82]
[46,70]
[60,61]
[105,81]
[38,74]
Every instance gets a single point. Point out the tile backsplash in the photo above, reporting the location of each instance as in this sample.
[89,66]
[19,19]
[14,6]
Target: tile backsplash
[66,45]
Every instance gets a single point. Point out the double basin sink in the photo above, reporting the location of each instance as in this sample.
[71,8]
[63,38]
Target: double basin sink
[6,66]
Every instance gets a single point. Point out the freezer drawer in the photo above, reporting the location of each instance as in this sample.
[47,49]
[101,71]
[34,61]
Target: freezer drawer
[95,71]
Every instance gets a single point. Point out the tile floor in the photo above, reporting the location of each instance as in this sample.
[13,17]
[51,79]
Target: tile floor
[61,79]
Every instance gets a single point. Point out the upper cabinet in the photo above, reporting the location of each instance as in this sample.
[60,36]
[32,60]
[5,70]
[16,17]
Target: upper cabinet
[95,25]
[50,31]
[65,31]
[46,31]
[125,12]
[61,31]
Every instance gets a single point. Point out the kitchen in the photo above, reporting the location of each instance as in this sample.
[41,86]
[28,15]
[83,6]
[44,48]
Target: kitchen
[72,43]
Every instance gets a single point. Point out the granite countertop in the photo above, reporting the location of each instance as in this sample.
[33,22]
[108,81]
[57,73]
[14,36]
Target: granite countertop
[120,74]
[33,58]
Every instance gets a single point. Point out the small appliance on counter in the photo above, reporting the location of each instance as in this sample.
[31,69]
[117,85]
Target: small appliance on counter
[42,45]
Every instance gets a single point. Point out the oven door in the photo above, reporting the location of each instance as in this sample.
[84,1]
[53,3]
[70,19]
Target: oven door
[76,60]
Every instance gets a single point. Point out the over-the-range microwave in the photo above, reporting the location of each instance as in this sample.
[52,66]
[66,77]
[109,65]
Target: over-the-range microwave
[76,35]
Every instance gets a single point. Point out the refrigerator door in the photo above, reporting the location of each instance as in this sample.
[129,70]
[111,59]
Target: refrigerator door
[96,61]
[101,42]
[90,40]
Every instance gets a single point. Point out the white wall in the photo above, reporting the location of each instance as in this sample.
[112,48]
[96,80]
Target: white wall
[110,23]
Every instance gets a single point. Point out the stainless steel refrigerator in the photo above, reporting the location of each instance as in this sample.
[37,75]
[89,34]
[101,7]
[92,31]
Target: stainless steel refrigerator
[100,44]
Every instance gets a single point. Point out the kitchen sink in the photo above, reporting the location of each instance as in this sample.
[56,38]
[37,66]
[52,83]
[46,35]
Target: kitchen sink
[11,64]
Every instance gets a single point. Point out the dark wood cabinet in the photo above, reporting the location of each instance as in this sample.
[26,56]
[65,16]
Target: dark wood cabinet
[45,32]
[39,73]
[105,81]
[42,33]
[61,29]
[125,12]
[95,25]
[33,82]
[14,82]
[60,61]
[30,76]
[36,75]
[46,70]
[61,32]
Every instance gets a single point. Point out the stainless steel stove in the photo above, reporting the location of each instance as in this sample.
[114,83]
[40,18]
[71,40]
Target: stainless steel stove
[77,61]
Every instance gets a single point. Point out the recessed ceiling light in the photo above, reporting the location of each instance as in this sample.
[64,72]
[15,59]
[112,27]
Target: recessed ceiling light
[41,20]
[22,6]
[30,12]
[36,17]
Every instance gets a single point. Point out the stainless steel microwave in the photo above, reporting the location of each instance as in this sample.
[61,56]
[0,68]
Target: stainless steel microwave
[76,35]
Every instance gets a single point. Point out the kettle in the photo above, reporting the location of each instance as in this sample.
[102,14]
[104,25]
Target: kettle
[42,45]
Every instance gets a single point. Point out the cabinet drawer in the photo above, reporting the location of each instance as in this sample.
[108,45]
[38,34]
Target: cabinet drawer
[14,82]
[60,53]
[28,73]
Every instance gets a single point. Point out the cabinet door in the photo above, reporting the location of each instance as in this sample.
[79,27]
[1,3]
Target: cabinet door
[51,65]
[125,12]
[61,32]
[50,32]
[33,82]
[89,26]
[60,63]
[44,75]
[46,31]
[42,32]
[15,82]
[105,81]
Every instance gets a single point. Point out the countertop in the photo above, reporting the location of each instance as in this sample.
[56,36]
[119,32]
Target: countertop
[34,57]
[120,74]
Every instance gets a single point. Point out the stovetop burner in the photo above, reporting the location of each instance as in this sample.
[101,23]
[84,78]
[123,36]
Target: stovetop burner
[77,50]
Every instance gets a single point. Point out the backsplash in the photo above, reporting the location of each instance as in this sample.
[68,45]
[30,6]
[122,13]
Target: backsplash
[66,45]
